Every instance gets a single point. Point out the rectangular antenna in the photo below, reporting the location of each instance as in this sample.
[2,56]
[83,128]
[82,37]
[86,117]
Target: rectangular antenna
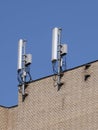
[64,49]
[54,44]
[28,59]
[20,45]
[58,51]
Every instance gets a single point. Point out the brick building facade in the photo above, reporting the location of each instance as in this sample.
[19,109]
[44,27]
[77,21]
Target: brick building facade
[73,107]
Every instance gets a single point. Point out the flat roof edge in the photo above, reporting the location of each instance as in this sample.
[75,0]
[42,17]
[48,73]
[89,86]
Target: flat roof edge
[51,76]
[65,70]
[8,106]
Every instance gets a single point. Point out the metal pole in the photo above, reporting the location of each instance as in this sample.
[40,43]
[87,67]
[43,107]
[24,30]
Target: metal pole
[59,56]
[24,72]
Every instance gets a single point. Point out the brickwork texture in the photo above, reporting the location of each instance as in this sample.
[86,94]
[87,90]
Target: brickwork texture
[73,107]
[3,118]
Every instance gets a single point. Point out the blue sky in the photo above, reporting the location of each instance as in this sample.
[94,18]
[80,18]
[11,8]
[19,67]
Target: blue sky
[34,20]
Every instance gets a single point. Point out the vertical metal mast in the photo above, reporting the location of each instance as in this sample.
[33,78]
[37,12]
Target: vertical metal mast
[58,51]
[24,71]
[59,55]
[24,61]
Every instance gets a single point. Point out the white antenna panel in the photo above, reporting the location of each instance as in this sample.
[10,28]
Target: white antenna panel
[20,45]
[64,49]
[54,43]
[28,59]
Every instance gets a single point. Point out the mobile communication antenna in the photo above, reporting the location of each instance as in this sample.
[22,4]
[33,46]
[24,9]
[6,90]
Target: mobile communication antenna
[58,52]
[23,70]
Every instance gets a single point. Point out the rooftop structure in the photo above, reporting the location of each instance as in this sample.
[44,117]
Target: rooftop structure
[73,107]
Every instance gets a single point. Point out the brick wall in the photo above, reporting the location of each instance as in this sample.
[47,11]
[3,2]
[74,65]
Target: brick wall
[3,118]
[73,107]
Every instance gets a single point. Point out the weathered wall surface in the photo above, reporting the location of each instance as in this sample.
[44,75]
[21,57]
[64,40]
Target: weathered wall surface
[73,107]
[3,118]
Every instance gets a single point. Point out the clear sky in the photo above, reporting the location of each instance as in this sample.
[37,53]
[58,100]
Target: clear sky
[34,20]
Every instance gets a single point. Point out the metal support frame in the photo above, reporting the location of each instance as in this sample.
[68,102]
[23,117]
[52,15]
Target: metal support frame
[22,72]
[59,57]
